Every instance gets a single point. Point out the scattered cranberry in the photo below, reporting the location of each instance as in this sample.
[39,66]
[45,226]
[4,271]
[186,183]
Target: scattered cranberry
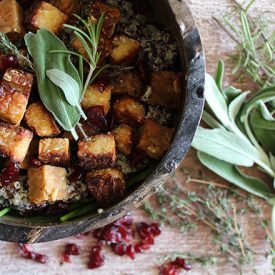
[96,257]
[101,87]
[70,249]
[119,248]
[130,252]
[27,254]
[125,221]
[10,174]
[174,267]
[96,118]
[7,62]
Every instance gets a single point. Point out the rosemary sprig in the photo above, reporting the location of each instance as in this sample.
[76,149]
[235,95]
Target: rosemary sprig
[89,39]
[255,53]
[7,47]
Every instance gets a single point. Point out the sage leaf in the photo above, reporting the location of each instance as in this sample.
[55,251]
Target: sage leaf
[219,78]
[210,120]
[40,46]
[232,174]
[265,112]
[273,221]
[232,92]
[235,106]
[69,87]
[225,145]
[216,101]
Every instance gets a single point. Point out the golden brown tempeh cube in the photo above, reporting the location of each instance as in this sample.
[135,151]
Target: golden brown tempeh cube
[106,186]
[97,95]
[166,89]
[14,141]
[11,17]
[31,154]
[19,80]
[154,139]
[125,49]
[68,7]
[41,121]
[111,17]
[128,110]
[45,15]
[127,83]
[47,184]
[98,152]
[54,151]
[15,89]
[124,137]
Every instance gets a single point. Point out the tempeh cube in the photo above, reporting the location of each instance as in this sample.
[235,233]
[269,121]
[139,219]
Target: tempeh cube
[47,184]
[41,121]
[166,89]
[19,80]
[97,95]
[68,7]
[106,186]
[54,151]
[154,139]
[128,110]
[45,15]
[125,49]
[14,141]
[111,17]
[31,154]
[15,89]
[127,83]
[124,137]
[98,152]
[11,17]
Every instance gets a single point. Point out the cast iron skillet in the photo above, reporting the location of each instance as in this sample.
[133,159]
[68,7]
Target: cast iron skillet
[176,15]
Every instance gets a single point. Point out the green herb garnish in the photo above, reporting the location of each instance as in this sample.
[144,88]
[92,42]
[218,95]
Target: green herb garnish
[39,46]
[4,211]
[7,47]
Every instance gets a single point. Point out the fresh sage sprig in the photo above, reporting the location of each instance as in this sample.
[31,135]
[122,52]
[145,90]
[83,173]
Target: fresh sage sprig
[231,141]
[7,47]
[40,47]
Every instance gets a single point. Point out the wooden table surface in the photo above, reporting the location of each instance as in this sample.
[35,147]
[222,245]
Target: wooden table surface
[216,44]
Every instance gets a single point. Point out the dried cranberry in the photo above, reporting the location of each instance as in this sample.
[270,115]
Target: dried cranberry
[8,61]
[142,246]
[182,263]
[174,267]
[111,234]
[96,118]
[101,87]
[27,254]
[169,269]
[119,248]
[70,249]
[96,258]
[125,221]
[145,230]
[130,252]
[10,174]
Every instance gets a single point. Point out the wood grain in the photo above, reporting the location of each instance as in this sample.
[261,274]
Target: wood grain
[217,45]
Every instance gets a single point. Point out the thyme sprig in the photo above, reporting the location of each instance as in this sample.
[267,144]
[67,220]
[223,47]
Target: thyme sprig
[201,202]
[255,52]
[7,47]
